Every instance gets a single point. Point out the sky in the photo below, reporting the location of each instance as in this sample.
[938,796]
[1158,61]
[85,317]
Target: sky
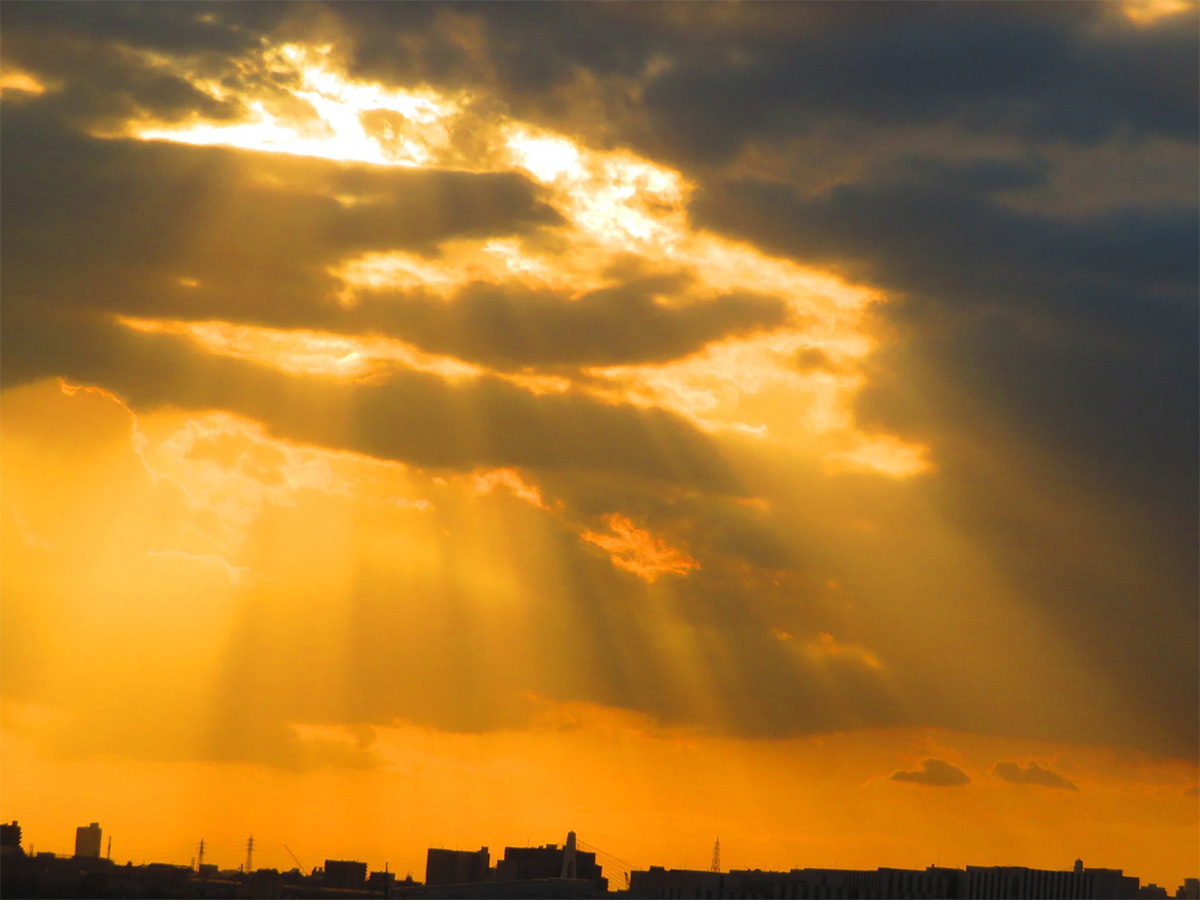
[454,424]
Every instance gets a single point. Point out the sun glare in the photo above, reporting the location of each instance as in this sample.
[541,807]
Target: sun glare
[350,121]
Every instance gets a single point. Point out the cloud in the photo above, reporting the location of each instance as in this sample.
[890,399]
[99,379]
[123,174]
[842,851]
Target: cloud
[628,323]
[484,482]
[1060,342]
[129,212]
[1031,774]
[936,773]
[407,416]
[827,647]
[1018,182]
[638,551]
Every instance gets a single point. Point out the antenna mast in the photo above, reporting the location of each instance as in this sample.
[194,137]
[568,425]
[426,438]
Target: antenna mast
[716,860]
[250,855]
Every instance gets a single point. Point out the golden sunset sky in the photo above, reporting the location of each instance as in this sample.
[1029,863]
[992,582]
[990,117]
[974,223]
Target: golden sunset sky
[451,425]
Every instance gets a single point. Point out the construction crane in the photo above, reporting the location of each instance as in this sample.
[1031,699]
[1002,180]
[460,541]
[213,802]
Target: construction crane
[303,870]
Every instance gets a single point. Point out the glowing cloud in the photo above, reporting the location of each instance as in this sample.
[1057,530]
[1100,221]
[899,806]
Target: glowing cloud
[1147,12]
[350,120]
[827,647]
[638,551]
[487,481]
[307,352]
[617,208]
[20,82]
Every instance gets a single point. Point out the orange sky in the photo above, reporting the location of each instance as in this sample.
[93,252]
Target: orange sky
[394,461]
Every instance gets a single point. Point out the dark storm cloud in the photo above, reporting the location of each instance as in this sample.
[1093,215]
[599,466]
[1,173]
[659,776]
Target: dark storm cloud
[1066,324]
[1068,340]
[1032,773]
[505,327]
[128,211]
[198,26]
[727,74]
[407,416]
[1040,71]
[93,55]
[936,773]
[731,74]
[129,214]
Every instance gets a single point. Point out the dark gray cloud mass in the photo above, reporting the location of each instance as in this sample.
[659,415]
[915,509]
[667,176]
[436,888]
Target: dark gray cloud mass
[130,211]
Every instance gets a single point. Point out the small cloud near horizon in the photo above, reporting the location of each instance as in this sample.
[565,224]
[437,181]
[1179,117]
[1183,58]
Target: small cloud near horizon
[935,772]
[1032,774]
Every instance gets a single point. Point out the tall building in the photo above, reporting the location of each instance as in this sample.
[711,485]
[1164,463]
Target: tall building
[457,866]
[343,873]
[10,838]
[87,840]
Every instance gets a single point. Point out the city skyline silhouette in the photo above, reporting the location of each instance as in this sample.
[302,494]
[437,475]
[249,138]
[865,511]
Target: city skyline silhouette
[570,869]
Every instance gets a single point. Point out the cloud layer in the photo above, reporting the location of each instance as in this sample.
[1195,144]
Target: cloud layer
[782,368]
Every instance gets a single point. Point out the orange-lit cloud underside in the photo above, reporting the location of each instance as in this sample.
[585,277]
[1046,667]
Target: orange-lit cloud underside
[617,208]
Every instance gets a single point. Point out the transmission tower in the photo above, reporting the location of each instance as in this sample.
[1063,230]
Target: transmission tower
[716,863]
[200,858]
[250,855]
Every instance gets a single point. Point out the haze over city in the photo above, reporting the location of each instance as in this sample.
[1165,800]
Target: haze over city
[451,425]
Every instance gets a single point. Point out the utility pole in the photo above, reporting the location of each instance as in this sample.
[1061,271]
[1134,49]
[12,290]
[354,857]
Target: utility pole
[250,855]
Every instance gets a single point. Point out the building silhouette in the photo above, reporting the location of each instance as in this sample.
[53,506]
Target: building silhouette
[550,861]
[1021,883]
[555,871]
[345,874]
[87,841]
[973,883]
[457,866]
[10,838]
